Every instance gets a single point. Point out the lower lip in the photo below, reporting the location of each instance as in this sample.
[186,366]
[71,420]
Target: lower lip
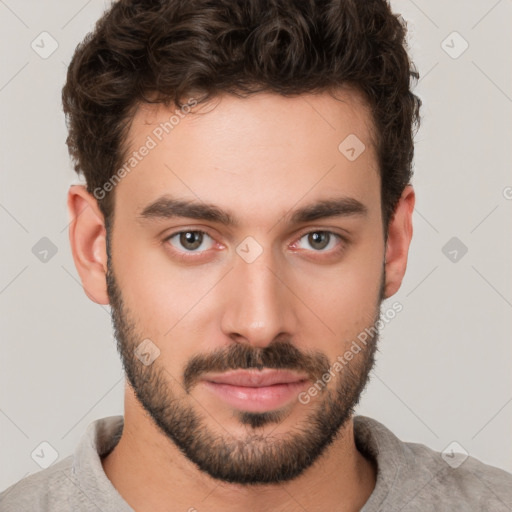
[260,399]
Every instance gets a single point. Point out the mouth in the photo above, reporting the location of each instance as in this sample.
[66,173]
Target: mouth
[256,390]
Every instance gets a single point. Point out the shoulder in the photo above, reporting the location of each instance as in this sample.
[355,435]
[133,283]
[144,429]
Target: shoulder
[460,478]
[414,477]
[77,482]
[47,489]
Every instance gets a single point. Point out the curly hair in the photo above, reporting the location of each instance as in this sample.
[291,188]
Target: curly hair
[160,51]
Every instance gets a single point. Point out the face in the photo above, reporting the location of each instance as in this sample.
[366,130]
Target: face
[246,257]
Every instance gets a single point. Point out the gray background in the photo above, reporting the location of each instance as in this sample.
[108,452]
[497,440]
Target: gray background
[444,370]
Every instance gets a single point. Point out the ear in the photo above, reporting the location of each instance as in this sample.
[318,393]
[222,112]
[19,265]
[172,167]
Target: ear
[399,239]
[87,236]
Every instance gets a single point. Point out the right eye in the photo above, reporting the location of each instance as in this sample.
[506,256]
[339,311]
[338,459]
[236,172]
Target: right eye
[190,240]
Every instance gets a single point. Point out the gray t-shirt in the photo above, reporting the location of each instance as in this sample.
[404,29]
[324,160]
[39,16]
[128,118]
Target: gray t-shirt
[410,477]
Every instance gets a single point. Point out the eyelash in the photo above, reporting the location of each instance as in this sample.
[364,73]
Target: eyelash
[188,255]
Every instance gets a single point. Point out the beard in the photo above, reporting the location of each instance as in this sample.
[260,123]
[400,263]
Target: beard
[257,457]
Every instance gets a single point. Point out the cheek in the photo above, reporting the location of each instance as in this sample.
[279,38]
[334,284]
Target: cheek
[152,289]
[346,296]
[170,304]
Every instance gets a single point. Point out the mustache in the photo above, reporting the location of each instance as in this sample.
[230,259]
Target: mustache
[281,355]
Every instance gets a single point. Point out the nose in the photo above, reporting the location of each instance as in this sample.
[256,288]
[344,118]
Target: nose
[258,304]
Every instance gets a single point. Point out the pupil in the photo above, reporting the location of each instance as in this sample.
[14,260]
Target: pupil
[317,237]
[188,239]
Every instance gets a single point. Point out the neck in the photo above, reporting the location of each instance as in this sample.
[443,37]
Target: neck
[152,474]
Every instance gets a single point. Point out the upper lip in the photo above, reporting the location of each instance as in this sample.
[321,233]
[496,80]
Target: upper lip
[255,378]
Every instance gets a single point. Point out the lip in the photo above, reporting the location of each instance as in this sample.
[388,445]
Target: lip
[256,378]
[256,391]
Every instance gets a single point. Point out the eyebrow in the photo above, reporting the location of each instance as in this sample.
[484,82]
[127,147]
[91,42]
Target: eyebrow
[166,207]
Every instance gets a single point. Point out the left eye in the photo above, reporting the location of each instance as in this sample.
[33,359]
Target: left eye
[190,240]
[321,240]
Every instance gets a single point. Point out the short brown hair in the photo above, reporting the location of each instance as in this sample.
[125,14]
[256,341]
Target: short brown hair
[165,49]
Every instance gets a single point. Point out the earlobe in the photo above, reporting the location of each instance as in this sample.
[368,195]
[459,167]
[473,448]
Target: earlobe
[87,236]
[399,239]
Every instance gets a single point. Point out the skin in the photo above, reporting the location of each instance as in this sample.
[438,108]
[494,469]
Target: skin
[260,158]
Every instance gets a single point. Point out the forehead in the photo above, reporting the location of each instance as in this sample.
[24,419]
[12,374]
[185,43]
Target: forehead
[264,112]
[251,153]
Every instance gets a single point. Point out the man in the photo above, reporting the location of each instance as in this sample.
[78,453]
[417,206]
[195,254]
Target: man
[248,208]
